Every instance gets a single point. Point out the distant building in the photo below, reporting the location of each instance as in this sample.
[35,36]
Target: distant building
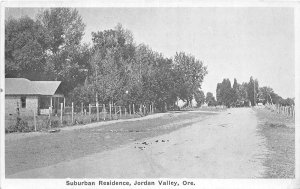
[28,96]
[180,103]
[204,105]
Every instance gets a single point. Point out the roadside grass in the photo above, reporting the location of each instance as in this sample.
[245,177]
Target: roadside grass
[48,149]
[44,123]
[279,131]
[26,122]
[207,108]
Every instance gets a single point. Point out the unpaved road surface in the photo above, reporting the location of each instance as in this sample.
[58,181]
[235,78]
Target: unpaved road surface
[224,145]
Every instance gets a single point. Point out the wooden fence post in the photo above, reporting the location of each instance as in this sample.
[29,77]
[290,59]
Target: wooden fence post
[152,107]
[64,104]
[97,107]
[293,111]
[34,120]
[50,117]
[72,113]
[284,110]
[49,112]
[61,113]
[110,111]
[279,109]
[90,109]
[104,112]
[133,109]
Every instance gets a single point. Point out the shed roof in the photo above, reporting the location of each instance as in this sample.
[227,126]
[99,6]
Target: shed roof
[22,86]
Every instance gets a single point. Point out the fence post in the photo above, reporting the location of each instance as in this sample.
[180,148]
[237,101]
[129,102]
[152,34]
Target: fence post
[18,109]
[64,104]
[61,113]
[49,112]
[97,107]
[90,109]
[293,111]
[82,108]
[279,108]
[152,107]
[120,111]
[133,109]
[34,120]
[110,111]
[104,112]
[50,117]
[284,110]
[72,113]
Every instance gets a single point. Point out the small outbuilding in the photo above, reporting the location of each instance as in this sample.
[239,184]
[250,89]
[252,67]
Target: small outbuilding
[28,96]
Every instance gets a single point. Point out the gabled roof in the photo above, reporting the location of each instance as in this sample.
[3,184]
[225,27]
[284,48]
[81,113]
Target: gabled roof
[46,87]
[22,86]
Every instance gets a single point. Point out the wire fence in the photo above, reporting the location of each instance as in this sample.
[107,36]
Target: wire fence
[284,110]
[27,121]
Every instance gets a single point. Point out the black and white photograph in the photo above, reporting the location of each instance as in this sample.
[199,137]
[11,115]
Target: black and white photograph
[148,96]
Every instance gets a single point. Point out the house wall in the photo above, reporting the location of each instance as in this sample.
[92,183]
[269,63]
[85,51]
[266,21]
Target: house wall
[32,104]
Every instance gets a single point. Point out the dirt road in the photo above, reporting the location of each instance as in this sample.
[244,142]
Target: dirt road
[226,145]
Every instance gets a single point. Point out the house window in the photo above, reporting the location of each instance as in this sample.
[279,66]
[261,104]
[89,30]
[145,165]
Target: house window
[23,101]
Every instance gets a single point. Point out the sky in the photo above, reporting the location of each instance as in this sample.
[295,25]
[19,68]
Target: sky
[232,42]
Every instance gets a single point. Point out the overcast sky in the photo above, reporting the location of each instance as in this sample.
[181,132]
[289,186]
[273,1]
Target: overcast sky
[232,42]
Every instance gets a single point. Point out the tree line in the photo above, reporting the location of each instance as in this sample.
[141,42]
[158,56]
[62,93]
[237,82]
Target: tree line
[113,69]
[245,94]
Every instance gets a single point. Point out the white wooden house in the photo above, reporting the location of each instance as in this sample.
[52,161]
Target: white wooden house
[27,96]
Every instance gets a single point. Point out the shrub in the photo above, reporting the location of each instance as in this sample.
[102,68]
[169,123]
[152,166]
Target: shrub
[20,126]
[54,123]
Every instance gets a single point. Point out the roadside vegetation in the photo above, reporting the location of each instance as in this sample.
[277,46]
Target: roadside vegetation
[25,123]
[247,94]
[279,131]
